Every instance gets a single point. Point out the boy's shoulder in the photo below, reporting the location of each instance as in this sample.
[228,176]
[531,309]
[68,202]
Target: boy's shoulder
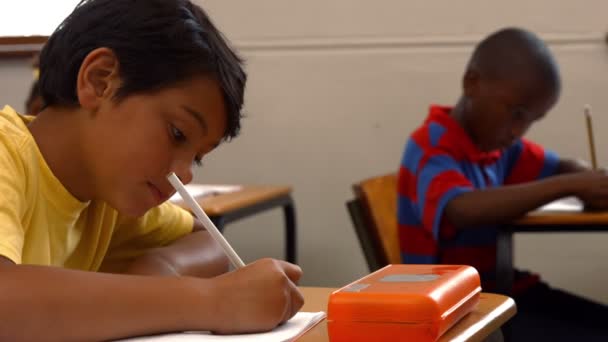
[13,126]
[17,146]
[438,133]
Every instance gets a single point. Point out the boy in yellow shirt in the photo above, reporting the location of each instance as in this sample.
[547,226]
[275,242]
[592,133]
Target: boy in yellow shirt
[132,90]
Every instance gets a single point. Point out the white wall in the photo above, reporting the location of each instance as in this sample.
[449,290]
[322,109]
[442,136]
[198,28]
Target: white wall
[15,81]
[335,88]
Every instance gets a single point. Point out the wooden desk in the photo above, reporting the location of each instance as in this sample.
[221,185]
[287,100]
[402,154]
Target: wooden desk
[541,221]
[250,200]
[491,313]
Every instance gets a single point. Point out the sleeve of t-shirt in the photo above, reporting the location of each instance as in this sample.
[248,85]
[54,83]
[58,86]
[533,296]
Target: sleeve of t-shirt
[440,179]
[528,161]
[12,204]
[160,226]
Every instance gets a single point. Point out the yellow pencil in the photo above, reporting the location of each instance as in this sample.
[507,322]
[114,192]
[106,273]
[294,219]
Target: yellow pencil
[590,136]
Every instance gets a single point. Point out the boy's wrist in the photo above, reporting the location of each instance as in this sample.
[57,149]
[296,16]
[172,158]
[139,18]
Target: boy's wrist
[564,185]
[201,299]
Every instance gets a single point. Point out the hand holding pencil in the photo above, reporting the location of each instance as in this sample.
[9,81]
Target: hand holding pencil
[596,198]
[255,297]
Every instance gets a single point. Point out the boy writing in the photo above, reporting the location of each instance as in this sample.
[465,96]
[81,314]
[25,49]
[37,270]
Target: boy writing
[132,90]
[467,170]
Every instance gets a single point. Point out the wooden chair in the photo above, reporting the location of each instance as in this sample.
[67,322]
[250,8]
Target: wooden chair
[374,215]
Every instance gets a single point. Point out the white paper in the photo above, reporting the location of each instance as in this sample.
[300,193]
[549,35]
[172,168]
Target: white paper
[201,190]
[564,204]
[292,329]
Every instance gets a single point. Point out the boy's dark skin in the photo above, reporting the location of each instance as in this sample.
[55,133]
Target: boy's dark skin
[511,82]
[500,101]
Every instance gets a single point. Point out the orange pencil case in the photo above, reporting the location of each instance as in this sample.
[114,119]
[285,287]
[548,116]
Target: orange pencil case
[403,303]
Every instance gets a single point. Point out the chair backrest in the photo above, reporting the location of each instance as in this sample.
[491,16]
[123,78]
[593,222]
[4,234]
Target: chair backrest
[374,213]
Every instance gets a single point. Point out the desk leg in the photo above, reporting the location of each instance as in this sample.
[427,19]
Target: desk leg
[504,271]
[504,261]
[284,201]
[290,231]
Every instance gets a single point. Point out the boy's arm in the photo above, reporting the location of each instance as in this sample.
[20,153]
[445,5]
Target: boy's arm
[572,166]
[507,203]
[196,254]
[53,304]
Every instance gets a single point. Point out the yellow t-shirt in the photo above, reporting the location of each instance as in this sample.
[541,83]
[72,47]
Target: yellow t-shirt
[41,223]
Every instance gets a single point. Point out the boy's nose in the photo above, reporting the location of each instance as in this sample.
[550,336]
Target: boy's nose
[183,170]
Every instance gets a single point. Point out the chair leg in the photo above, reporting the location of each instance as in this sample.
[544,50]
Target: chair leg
[369,244]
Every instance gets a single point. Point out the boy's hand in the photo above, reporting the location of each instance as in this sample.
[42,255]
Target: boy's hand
[591,187]
[257,297]
[600,205]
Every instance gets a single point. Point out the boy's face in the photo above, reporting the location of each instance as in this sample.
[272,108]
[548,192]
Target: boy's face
[500,112]
[136,142]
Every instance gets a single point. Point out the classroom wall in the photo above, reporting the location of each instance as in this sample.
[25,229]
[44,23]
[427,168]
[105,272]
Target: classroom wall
[336,86]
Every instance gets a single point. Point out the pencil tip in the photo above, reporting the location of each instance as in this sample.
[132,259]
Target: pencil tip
[587,110]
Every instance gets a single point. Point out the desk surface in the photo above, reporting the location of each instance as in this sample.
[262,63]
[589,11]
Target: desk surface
[217,205]
[569,218]
[491,313]
[563,212]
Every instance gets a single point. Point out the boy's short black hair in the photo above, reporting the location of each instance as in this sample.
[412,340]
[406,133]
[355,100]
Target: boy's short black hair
[32,95]
[514,53]
[158,43]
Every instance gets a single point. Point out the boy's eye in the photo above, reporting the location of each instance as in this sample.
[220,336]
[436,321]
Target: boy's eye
[177,134]
[180,137]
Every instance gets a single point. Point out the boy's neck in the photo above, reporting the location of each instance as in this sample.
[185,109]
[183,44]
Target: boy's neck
[57,133]
[459,114]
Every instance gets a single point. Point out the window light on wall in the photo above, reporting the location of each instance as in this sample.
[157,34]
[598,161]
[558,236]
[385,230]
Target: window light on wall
[23,18]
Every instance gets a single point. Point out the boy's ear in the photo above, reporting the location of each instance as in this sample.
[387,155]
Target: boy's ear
[97,79]
[470,82]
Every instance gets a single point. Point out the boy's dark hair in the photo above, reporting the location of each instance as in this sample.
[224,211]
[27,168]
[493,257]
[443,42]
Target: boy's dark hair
[158,43]
[32,96]
[515,52]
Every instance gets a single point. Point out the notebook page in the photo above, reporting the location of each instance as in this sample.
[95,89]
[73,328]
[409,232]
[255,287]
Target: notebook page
[295,327]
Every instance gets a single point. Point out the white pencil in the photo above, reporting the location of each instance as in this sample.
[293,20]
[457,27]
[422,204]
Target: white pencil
[200,214]
[587,111]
